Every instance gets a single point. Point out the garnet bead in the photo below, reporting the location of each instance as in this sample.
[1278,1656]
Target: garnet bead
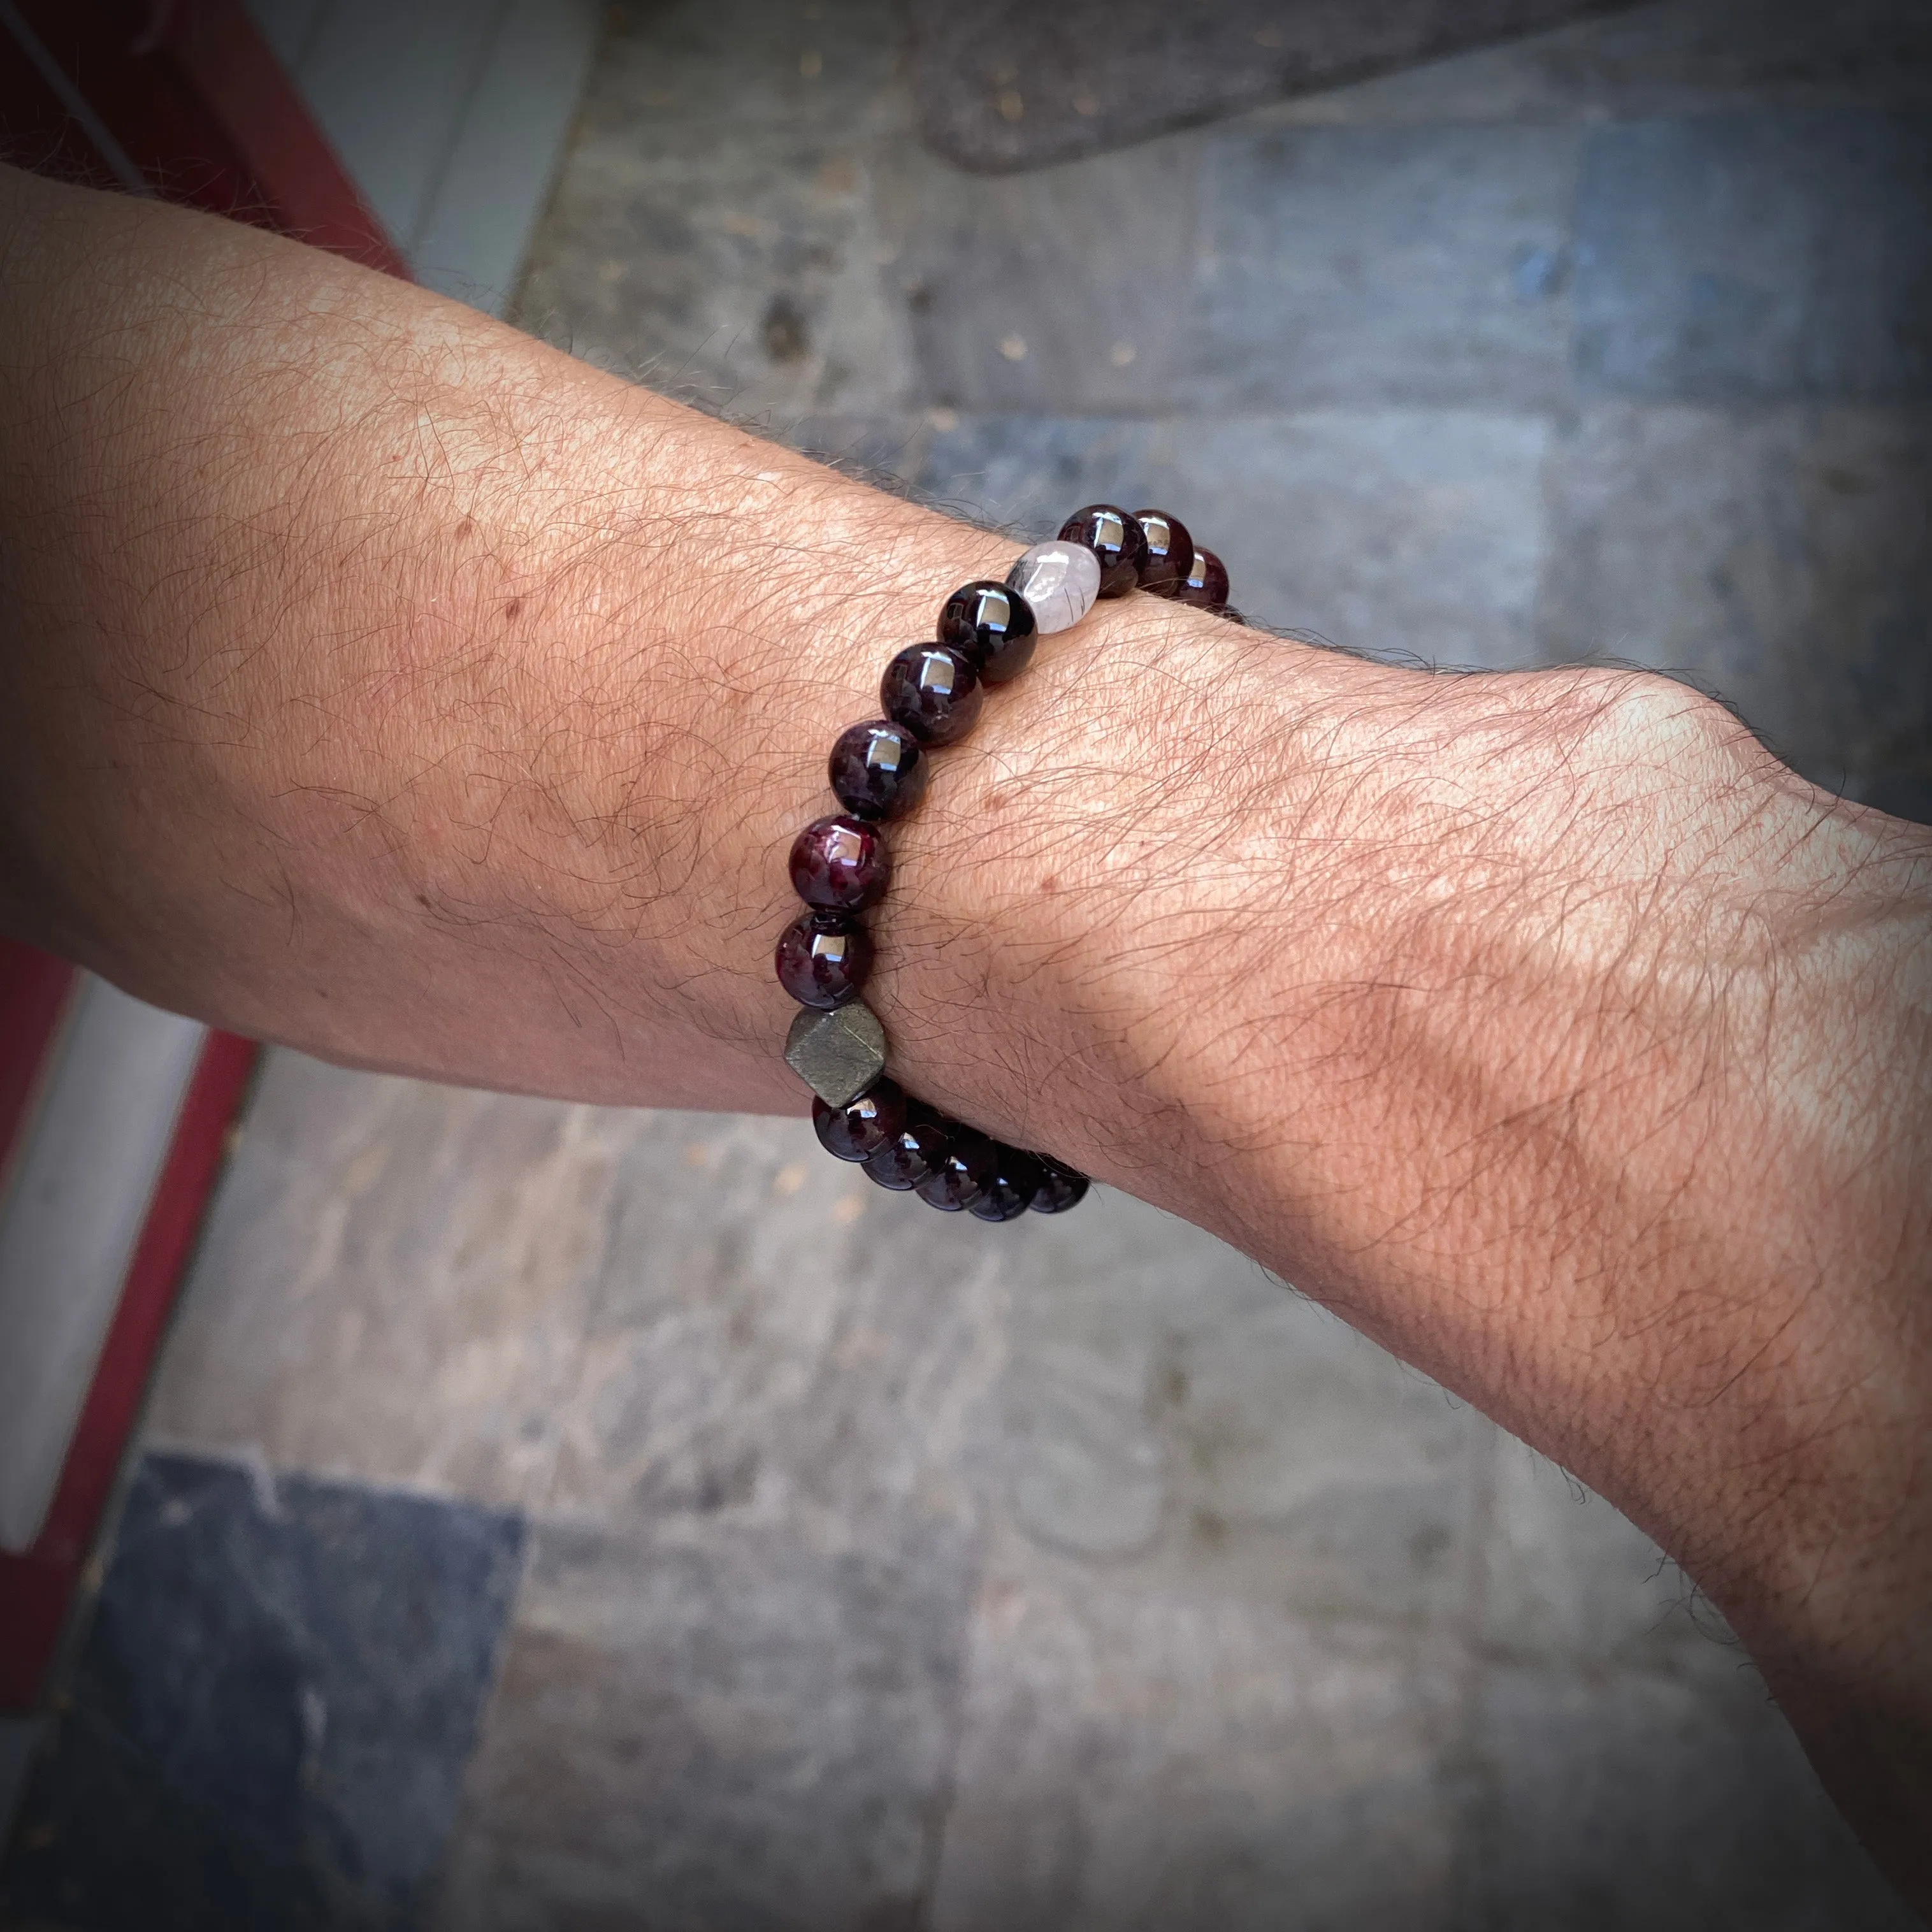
[961,1175]
[823,958]
[877,770]
[1016,1179]
[1170,552]
[857,1131]
[908,1155]
[991,626]
[840,864]
[1205,585]
[933,692]
[1115,539]
[1061,1187]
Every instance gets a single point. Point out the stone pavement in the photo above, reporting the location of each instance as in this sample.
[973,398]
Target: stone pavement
[871,1571]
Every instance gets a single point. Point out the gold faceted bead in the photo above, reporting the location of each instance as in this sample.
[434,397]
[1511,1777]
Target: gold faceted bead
[838,1054]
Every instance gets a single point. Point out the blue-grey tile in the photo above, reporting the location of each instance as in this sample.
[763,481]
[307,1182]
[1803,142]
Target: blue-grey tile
[271,1715]
[1384,266]
[1780,557]
[1766,255]
[1026,473]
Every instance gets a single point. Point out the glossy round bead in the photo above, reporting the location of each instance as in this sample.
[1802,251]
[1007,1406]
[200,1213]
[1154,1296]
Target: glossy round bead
[823,958]
[1118,543]
[1205,585]
[1170,552]
[857,1131]
[1060,581]
[961,1174]
[877,770]
[933,692]
[1016,1179]
[991,626]
[908,1154]
[1061,1187]
[841,864]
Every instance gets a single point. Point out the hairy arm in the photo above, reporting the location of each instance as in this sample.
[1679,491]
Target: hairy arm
[379,681]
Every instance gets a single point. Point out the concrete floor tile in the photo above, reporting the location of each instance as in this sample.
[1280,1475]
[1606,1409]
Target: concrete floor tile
[1626,1798]
[1012,306]
[1373,267]
[1714,261]
[1143,1752]
[1568,1580]
[1780,557]
[717,1726]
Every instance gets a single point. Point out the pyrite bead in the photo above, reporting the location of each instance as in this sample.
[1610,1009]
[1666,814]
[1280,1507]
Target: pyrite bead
[1170,552]
[961,1174]
[933,692]
[908,1155]
[823,958]
[1118,543]
[839,1054]
[991,626]
[858,1131]
[877,770]
[1205,585]
[1061,1187]
[1016,1179]
[841,864]
[1060,580]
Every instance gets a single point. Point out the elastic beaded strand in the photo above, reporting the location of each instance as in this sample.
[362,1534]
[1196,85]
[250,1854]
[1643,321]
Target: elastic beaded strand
[932,694]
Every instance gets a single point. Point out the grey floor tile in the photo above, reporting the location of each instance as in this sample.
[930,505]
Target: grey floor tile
[719,1727]
[1142,1751]
[1013,308]
[1780,557]
[1380,266]
[1623,1797]
[1762,256]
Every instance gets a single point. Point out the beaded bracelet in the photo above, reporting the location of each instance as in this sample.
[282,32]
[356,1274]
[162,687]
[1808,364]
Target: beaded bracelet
[931,695]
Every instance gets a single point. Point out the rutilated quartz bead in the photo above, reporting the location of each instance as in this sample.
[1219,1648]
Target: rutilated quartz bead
[1060,581]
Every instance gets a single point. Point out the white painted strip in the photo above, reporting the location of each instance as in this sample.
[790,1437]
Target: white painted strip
[76,1202]
[485,202]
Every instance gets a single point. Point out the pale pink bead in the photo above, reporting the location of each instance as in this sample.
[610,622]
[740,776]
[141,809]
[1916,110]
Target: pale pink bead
[1060,581]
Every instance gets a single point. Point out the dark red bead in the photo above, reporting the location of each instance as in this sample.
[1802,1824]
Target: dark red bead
[841,864]
[1061,1187]
[1115,538]
[1206,585]
[933,692]
[1170,552]
[909,1154]
[823,958]
[991,626]
[961,1174]
[877,770]
[856,1132]
[1016,1179]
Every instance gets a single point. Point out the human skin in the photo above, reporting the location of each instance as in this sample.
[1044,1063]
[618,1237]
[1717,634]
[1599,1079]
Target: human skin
[381,681]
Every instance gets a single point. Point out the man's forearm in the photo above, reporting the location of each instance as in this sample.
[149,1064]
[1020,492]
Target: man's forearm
[388,684]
